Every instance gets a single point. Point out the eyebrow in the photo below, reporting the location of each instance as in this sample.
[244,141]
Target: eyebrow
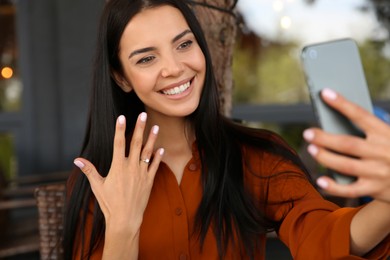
[175,39]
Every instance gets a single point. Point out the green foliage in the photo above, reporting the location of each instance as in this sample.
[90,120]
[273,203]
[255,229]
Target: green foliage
[377,69]
[272,76]
[272,73]
[244,75]
[7,158]
[280,77]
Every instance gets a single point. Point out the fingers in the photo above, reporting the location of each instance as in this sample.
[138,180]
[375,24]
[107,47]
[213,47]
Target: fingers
[139,156]
[137,139]
[351,145]
[119,141]
[94,178]
[359,116]
[337,162]
[366,158]
[156,161]
[353,190]
[346,154]
[147,151]
[346,144]
[371,169]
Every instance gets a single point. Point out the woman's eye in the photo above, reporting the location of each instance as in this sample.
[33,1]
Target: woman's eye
[145,60]
[185,44]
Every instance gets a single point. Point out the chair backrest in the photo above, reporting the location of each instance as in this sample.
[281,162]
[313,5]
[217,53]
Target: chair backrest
[51,204]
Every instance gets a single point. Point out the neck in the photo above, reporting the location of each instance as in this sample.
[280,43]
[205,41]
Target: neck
[175,132]
[176,137]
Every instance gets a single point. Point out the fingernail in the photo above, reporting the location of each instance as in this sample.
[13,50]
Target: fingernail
[162,151]
[308,134]
[329,93]
[155,129]
[79,164]
[143,116]
[121,120]
[312,149]
[322,183]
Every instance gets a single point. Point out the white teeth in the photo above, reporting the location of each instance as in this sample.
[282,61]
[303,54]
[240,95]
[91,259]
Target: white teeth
[177,90]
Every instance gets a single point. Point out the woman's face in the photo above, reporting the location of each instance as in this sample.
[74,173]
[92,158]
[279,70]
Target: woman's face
[162,62]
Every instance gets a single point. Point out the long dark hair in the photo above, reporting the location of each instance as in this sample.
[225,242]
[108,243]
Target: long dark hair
[226,205]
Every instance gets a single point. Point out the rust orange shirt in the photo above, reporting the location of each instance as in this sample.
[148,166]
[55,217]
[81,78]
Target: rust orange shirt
[312,227]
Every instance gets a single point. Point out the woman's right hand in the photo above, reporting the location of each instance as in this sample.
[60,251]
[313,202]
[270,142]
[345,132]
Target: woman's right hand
[123,195]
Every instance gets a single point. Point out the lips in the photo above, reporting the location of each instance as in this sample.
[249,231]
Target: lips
[177,90]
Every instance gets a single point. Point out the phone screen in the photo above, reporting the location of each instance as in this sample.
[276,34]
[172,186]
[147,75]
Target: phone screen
[336,65]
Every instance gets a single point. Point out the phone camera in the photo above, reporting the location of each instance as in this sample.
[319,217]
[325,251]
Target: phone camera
[313,54]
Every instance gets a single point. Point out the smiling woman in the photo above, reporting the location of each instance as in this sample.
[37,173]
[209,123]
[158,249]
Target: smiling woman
[164,174]
[165,67]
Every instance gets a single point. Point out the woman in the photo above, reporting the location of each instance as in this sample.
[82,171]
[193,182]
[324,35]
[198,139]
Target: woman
[167,176]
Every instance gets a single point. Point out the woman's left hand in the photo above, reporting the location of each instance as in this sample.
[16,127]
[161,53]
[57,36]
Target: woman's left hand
[370,156]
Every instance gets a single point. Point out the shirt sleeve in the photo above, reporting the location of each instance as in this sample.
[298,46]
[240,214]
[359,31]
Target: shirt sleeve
[314,228]
[317,229]
[311,227]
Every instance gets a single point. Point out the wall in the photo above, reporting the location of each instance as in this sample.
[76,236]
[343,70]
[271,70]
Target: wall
[56,40]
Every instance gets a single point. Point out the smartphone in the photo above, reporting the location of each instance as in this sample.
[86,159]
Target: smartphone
[337,65]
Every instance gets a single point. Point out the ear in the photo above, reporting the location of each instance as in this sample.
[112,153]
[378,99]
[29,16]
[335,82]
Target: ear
[121,81]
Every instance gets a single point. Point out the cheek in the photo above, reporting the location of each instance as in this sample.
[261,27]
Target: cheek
[140,81]
[202,64]
[201,68]
[198,61]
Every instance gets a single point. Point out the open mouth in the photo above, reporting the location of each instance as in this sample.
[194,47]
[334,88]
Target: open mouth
[177,90]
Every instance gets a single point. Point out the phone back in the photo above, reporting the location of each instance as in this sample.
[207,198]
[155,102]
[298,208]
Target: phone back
[336,65]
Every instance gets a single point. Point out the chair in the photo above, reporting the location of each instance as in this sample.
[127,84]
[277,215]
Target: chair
[50,200]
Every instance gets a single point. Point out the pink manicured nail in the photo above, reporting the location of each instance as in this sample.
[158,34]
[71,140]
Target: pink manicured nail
[121,120]
[79,164]
[312,149]
[143,116]
[308,134]
[322,183]
[329,93]
[162,151]
[155,129]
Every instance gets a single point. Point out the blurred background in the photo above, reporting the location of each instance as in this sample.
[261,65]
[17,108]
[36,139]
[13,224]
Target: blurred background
[46,55]
[269,85]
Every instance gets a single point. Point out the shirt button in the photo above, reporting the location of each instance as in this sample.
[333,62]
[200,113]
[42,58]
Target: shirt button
[178,211]
[183,257]
[193,167]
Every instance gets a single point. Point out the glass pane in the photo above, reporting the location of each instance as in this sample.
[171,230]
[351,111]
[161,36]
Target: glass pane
[266,65]
[10,83]
[7,158]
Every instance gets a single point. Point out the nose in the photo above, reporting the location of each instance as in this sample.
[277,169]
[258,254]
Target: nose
[172,66]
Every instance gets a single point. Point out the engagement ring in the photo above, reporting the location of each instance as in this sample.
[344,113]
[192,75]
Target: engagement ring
[145,160]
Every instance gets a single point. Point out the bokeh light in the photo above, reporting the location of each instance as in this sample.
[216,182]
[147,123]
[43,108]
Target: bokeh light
[7,72]
[285,22]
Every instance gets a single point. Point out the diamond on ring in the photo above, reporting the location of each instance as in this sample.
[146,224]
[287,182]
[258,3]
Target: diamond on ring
[147,160]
